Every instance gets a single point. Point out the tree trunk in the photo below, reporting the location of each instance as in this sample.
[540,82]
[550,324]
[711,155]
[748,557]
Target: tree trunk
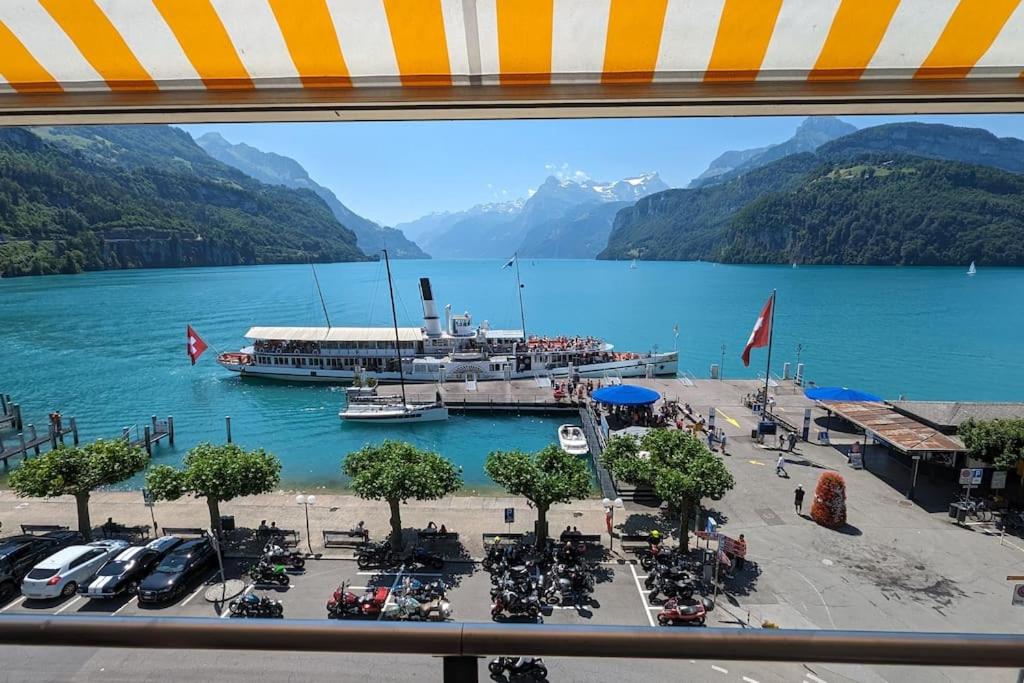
[214,506]
[684,524]
[540,529]
[396,524]
[84,524]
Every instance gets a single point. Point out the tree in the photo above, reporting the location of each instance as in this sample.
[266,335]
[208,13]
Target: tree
[548,476]
[77,472]
[829,506]
[218,474]
[997,442]
[676,464]
[397,471]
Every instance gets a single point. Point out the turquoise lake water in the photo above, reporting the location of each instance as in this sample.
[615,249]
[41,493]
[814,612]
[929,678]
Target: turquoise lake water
[109,347]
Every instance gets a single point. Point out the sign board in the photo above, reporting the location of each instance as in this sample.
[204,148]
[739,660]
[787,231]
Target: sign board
[976,476]
[147,498]
[1018,595]
[971,476]
[856,459]
[823,437]
[510,515]
[998,480]
[965,476]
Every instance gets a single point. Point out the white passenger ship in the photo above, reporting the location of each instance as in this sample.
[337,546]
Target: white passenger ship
[432,353]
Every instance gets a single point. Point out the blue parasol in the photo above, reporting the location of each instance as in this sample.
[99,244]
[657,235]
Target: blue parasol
[626,395]
[841,394]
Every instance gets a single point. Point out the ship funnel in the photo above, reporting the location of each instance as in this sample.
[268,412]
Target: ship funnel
[431,323]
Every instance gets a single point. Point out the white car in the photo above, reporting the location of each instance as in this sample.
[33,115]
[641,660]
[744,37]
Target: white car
[59,575]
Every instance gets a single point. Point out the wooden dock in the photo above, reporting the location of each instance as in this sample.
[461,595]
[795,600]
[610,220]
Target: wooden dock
[10,414]
[516,396]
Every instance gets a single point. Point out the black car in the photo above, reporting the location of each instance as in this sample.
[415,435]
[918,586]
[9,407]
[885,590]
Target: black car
[129,568]
[177,571]
[18,554]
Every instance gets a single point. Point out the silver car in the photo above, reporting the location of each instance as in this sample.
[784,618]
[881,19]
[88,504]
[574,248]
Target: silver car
[59,575]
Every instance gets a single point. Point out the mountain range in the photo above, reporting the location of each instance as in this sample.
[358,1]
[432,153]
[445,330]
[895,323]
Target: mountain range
[903,193]
[561,219]
[275,169]
[100,197]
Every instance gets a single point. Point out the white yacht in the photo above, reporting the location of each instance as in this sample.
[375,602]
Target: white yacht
[572,440]
[458,350]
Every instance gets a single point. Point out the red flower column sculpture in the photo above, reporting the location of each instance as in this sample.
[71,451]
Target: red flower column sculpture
[829,506]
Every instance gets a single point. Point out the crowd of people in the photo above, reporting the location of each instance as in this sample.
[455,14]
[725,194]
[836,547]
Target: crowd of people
[285,346]
[564,343]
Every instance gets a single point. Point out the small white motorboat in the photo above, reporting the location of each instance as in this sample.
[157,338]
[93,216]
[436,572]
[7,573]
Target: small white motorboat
[392,412]
[572,440]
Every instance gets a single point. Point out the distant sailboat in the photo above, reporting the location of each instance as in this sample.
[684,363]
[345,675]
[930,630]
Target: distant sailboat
[794,264]
[632,266]
[972,270]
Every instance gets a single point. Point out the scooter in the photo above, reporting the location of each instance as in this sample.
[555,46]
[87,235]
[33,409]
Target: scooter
[376,555]
[263,573]
[519,667]
[685,612]
[275,554]
[255,606]
[345,603]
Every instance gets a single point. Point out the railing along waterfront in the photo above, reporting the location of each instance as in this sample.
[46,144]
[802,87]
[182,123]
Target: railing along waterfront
[461,644]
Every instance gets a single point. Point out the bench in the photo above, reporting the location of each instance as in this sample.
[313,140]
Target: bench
[286,538]
[342,539]
[589,539]
[436,536]
[140,532]
[505,538]
[41,528]
[197,532]
[633,542]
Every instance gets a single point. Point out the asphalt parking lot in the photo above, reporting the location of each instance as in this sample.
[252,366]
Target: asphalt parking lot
[618,597]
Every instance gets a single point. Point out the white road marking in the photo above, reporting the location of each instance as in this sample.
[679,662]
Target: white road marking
[815,678]
[748,679]
[719,669]
[70,602]
[13,603]
[121,607]
[391,594]
[194,594]
[643,598]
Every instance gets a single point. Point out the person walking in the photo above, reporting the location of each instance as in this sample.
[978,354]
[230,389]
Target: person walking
[722,439]
[792,441]
[780,466]
[798,499]
[741,552]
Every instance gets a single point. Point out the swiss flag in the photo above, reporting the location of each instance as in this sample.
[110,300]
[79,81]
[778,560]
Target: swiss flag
[762,331]
[195,344]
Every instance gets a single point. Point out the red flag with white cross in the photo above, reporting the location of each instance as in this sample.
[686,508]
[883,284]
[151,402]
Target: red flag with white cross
[195,345]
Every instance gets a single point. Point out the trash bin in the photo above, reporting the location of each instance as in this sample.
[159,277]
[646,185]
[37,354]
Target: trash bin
[753,433]
[953,507]
[227,522]
[961,514]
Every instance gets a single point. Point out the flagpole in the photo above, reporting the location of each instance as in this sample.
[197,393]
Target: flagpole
[519,287]
[768,367]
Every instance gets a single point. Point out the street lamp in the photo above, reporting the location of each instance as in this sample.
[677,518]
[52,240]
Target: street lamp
[306,502]
[721,365]
[609,516]
[799,350]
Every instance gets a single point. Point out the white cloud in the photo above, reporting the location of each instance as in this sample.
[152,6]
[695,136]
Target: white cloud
[564,172]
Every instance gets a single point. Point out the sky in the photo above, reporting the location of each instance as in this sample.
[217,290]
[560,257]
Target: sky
[392,172]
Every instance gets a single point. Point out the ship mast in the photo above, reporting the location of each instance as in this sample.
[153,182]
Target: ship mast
[519,288]
[394,319]
[323,304]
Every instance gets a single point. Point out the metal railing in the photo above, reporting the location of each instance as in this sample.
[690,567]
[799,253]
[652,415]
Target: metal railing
[461,643]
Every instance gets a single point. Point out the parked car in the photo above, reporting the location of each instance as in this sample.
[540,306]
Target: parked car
[177,571]
[129,568]
[18,554]
[59,575]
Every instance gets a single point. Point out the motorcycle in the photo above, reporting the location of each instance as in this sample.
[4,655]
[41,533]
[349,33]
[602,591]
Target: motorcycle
[519,667]
[516,605]
[376,555]
[275,554]
[671,589]
[568,585]
[264,573]
[255,606]
[671,573]
[423,557]
[688,612]
[662,556]
[345,603]
[422,591]
[519,572]
[407,608]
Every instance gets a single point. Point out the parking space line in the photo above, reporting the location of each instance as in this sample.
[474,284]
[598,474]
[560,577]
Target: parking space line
[643,598]
[194,594]
[748,679]
[391,594]
[814,678]
[14,603]
[121,607]
[70,602]
[719,669]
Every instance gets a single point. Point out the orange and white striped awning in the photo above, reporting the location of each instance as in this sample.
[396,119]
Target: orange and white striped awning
[337,51]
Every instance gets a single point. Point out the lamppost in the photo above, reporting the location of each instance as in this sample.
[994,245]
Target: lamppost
[609,516]
[799,350]
[721,365]
[306,501]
